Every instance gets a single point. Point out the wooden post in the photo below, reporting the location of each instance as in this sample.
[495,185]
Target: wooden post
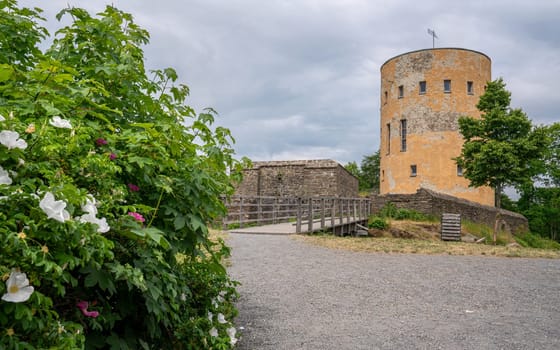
[333,211]
[259,210]
[497,220]
[274,210]
[298,216]
[310,215]
[341,206]
[322,213]
[240,212]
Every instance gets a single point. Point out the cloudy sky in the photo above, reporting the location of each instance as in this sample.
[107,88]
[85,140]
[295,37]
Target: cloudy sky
[299,79]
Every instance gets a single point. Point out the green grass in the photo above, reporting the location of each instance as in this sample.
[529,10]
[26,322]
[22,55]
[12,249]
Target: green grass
[532,240]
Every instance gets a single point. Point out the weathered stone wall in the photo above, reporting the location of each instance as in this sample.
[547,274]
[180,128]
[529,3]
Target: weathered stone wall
[304,178]
[320,182]
[250,183]
[280,181]
[434,203]
[348,185]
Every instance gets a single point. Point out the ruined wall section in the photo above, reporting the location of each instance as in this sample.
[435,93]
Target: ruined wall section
[301,178]
[348,184]
[280,181]
[433,203]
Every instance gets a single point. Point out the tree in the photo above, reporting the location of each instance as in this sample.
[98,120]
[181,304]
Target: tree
[540,203]
[541,206]
[502,148]
[353,169]
[370,171]
[367,173]
[552,156]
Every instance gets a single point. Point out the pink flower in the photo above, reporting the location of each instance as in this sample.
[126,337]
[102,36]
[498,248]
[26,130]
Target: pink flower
[133,187]
[83,306]
[112,156]
[100,141]
[136,216]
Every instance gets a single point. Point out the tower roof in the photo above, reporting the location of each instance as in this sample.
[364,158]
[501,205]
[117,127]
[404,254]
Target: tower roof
[436,49]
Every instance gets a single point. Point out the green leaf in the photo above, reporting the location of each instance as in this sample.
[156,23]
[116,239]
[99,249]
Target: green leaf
[153,234]
[50,109]
[6,72]
[143,125]
[179,222]
[101,278]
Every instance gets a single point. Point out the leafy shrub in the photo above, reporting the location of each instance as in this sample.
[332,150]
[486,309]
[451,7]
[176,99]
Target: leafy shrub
[107,181]
[535,241]
[378,223]
[389,210]
[392,212]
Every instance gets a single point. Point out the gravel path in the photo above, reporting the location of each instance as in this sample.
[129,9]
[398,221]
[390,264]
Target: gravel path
[297,296]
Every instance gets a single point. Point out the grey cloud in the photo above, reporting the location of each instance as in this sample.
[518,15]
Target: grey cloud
[300,78]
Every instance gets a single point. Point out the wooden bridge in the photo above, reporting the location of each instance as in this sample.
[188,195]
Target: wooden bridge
[290,215]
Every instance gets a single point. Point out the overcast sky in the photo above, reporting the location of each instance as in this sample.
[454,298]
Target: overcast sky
[299,79]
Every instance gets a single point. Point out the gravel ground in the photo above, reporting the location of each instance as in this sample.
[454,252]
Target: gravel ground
[297,296]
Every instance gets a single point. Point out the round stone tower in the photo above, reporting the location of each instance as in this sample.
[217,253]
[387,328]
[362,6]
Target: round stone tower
[423,94]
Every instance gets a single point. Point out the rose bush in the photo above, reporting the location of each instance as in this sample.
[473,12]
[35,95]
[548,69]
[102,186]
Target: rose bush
[107,181]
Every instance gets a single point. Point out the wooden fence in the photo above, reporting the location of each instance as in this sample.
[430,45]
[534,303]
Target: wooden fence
[307,214]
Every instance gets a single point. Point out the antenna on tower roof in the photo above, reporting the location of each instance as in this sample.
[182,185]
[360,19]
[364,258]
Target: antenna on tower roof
[434,37]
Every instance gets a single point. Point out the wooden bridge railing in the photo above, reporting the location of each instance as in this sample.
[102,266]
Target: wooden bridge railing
[304,212]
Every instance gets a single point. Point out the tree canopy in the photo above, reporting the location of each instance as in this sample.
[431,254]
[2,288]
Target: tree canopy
[367,173]
[502,148]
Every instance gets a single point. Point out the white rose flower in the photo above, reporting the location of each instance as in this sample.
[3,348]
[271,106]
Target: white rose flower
[90,217]
[103,226]
[4,177]
[214,332]
[53,208]
[18,288]
[90,206]
[231,332]
[101,223]
[11,140]
[58,122]
[221,318]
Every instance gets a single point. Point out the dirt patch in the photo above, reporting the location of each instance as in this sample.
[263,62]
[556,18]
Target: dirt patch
[423,231]
[409,229]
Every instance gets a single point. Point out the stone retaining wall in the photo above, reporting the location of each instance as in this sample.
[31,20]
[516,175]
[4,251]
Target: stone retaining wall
[434,203]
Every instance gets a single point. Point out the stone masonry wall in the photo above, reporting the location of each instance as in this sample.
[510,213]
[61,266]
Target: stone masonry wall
[280,181]
[348,185]
[303,178]
[434,203]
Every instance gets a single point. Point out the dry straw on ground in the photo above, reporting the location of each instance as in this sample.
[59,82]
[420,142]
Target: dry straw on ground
[417,246]
[407,237]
